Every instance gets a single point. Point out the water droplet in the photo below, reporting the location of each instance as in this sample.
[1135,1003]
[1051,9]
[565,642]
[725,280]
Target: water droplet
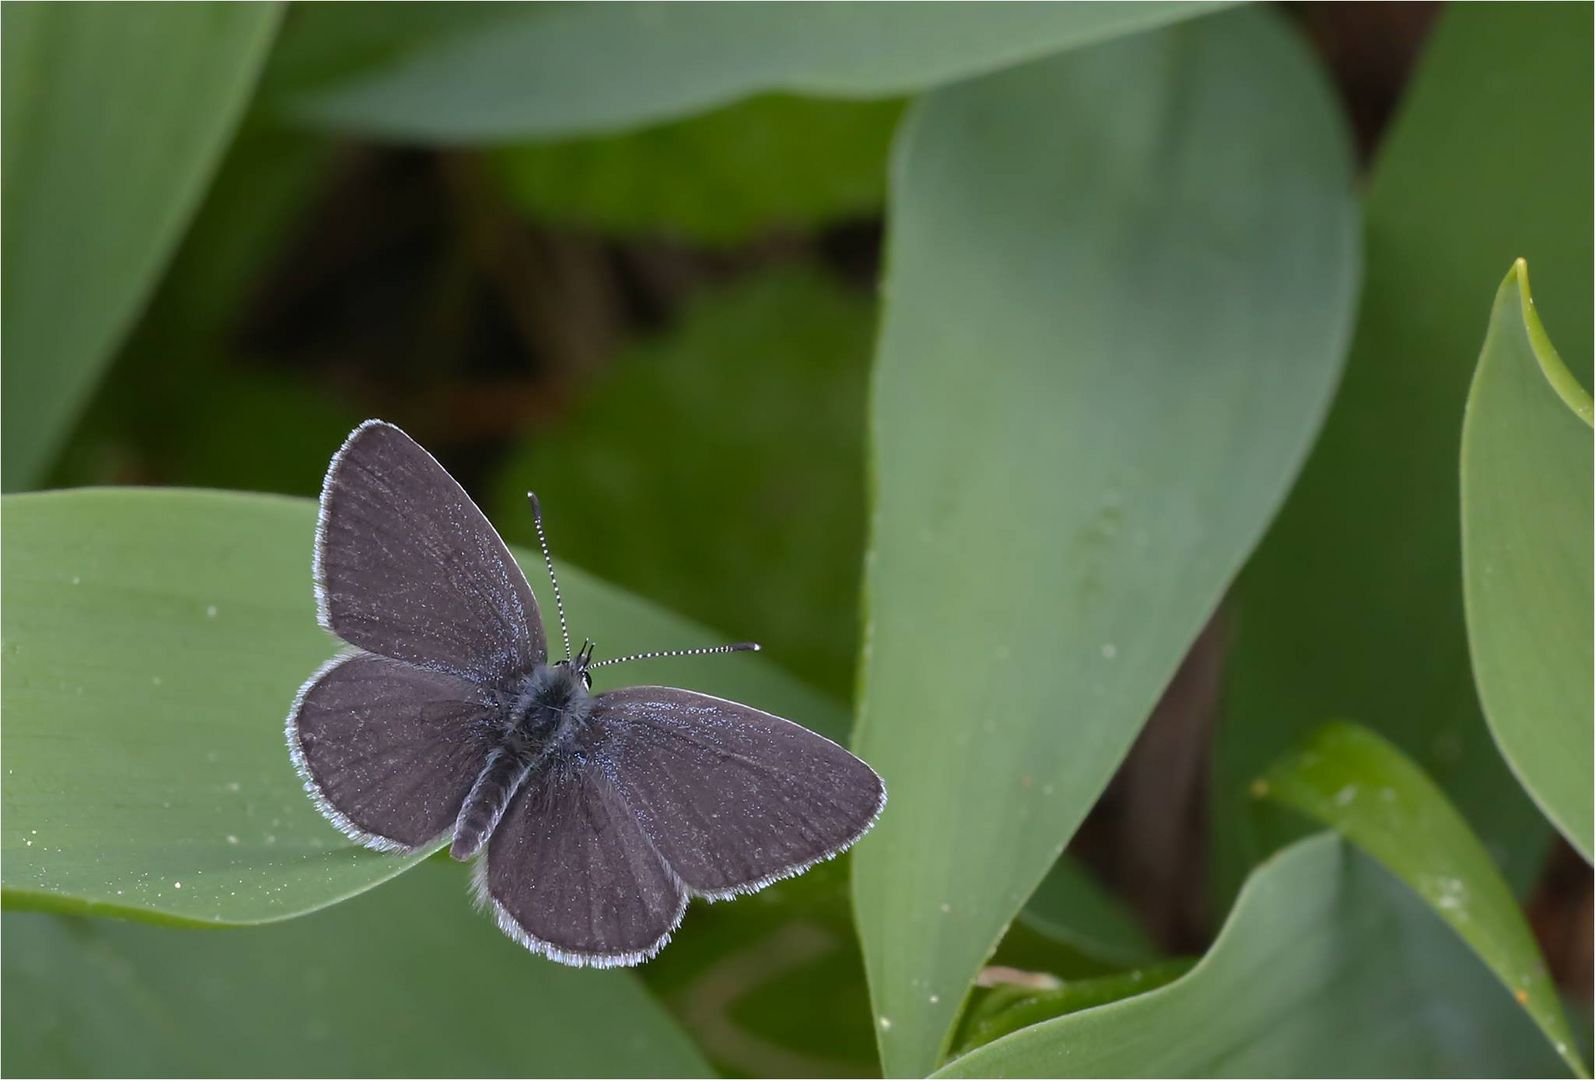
[1345,795]
[946,909]
[886,1023]
[210,612]
[177,884]
[935,999]
[1109,650]
[231,839]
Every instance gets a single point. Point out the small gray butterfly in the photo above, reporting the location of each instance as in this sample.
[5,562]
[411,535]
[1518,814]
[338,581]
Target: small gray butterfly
[596,816]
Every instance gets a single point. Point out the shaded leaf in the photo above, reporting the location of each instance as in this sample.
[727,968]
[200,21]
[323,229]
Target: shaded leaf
[114,119]
[405,981]
[1007,1009]
[532,71]
[773,986]
[1327,967]
[721,178]
[1526,541]
[1349,778]
[1352,605]
[185,403]
[153,642]
[1072,907]
[1118,292]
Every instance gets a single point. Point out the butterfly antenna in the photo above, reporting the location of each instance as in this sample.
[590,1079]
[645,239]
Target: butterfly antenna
[548,561]
[741,646]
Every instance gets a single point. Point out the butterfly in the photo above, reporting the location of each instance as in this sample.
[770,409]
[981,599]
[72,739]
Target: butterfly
[591,817]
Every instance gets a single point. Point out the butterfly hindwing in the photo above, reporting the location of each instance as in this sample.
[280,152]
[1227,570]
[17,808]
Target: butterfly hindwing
[408,567]
[571,874]
[388,750]
[732,798]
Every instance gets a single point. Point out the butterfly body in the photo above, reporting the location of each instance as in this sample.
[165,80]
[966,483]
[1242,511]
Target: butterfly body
[592,817]
[537,719]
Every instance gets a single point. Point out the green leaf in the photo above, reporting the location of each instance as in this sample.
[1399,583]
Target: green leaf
[1352,605]
[774,986]
[1526,541]
[1071,907]
[1118,294]
[406,981]
[753,519]
[114,120]
[1326,967]
[532,71]
[1351,779]
[718,179]
[153,642]
[1009,1008]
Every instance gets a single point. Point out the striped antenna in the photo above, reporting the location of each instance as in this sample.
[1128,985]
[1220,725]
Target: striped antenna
[548,561]
[741,646]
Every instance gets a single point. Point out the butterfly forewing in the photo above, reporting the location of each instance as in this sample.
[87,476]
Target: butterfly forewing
[732,798]
[571,874]
[408,567]
[388,750]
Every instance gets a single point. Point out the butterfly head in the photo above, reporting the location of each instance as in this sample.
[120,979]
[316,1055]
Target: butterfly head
[581,663]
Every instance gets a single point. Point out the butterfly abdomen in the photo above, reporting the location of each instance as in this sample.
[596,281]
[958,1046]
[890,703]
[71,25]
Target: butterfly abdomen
[489,797]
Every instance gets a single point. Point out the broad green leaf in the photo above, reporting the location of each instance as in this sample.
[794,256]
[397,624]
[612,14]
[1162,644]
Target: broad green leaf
[114,118]
[732,448]
[1117,300]
[533,71]
[772,162]
[1352,606]
[153,641]
[1351,779]
[405,981]
[1326,967]
[1526,541]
